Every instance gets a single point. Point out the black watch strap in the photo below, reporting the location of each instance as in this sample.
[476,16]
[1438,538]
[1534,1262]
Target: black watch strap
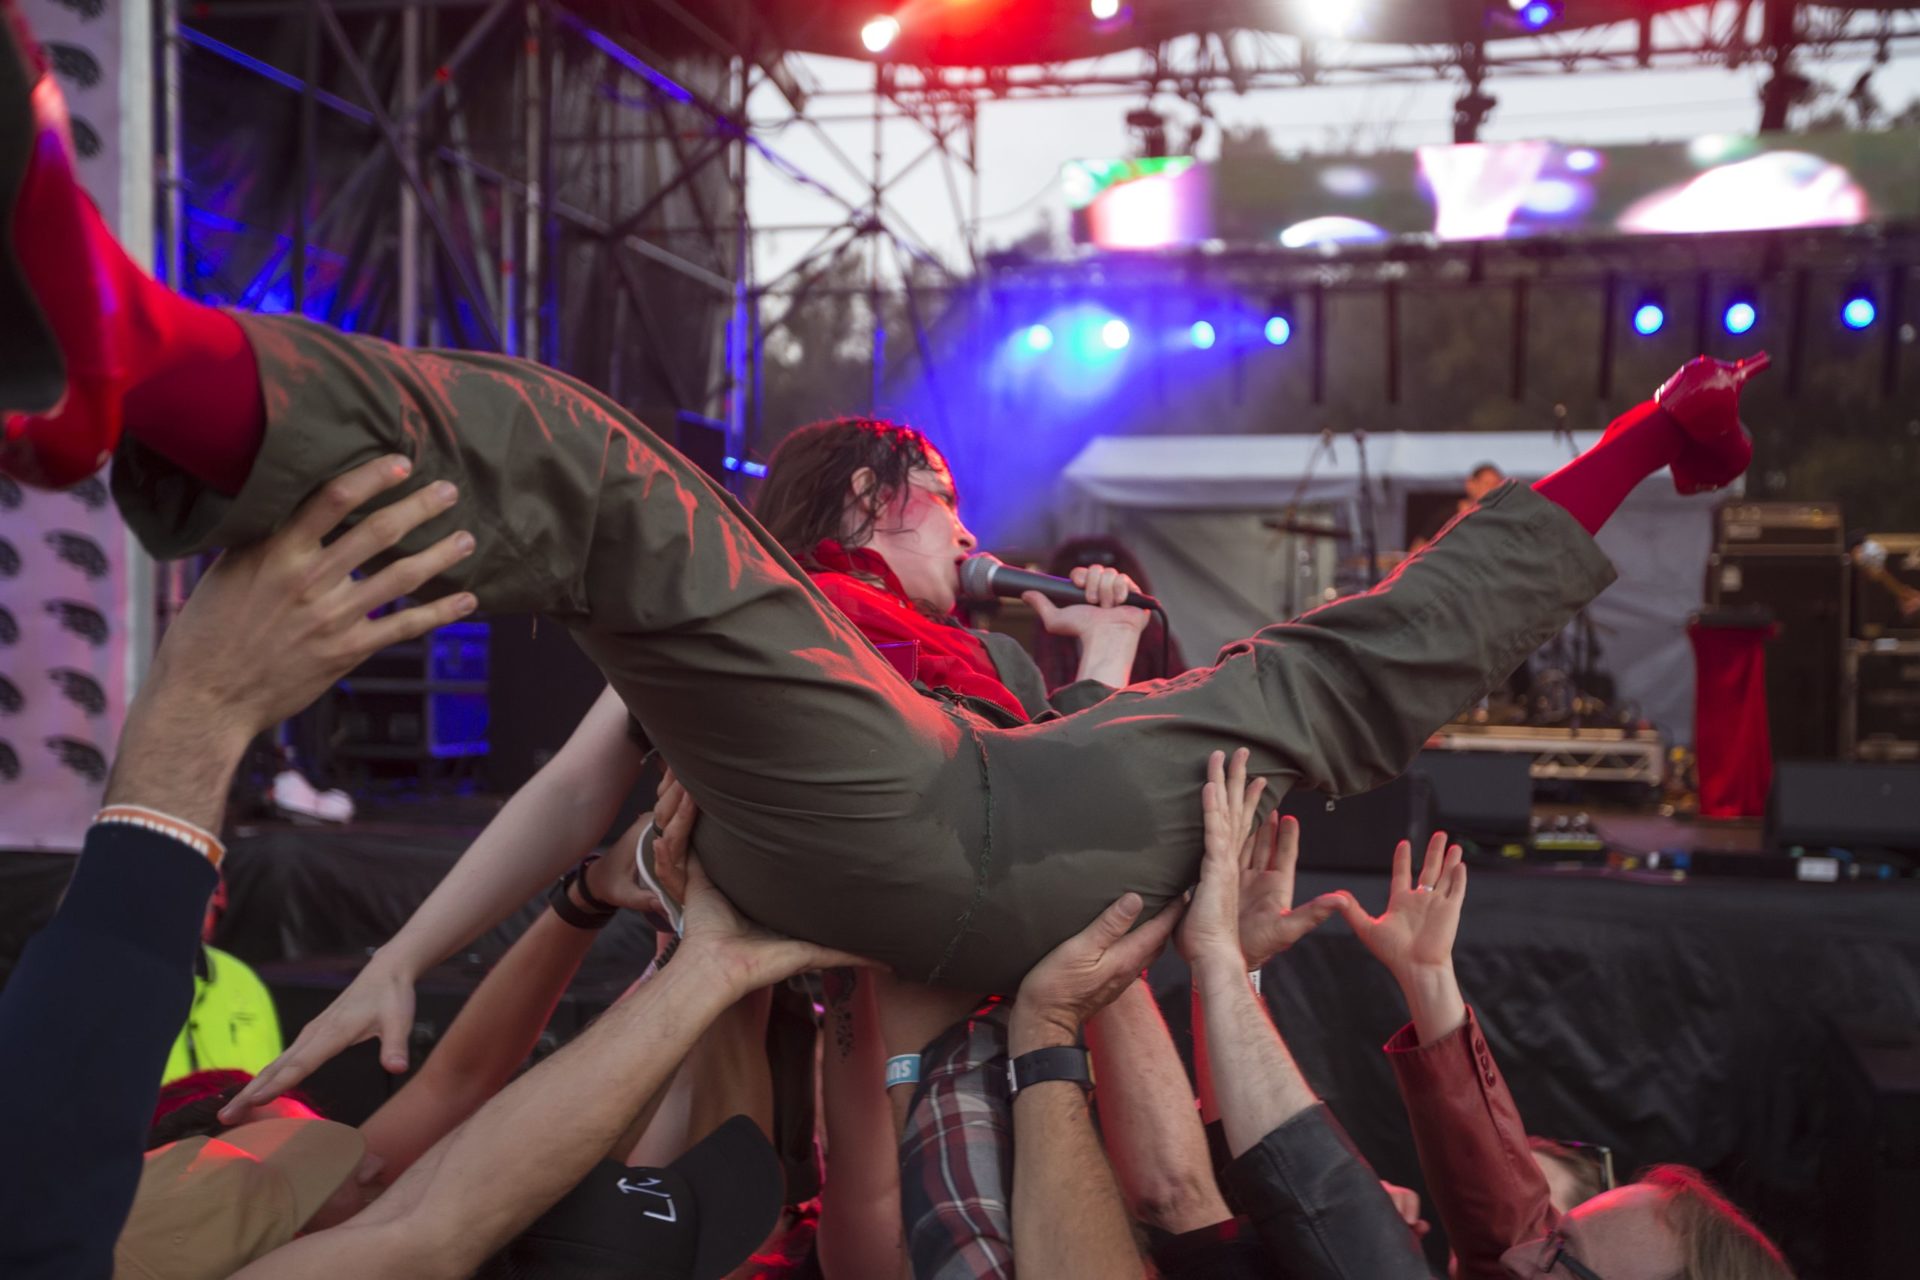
[1067,1062]
[564,906]
[586,888]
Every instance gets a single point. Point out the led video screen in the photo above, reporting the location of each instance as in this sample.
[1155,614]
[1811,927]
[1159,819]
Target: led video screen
[1497,191]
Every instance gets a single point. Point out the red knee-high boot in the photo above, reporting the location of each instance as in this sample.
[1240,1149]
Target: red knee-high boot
[1692,425]
[94,344]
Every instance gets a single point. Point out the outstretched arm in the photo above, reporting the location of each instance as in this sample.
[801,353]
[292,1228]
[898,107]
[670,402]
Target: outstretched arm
[1319,1209]
[1148,1120]
[862,1230]
[454,1209]
[1068,1219]
[502,1020]
[87,1019]
[1487,1191]
[548,825]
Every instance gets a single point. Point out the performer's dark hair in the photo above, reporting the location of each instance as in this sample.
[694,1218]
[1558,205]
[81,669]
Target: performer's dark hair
[804,498]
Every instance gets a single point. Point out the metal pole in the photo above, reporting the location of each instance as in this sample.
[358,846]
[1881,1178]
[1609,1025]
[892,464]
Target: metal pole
[534,123]
[309,144]
[879,353]
[174,266]
[740,325]
[409,332]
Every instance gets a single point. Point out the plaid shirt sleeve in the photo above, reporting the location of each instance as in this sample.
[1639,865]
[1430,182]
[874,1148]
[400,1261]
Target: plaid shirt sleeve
[956,1156]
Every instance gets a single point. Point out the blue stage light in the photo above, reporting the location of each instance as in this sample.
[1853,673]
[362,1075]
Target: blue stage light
[1538,14]
[1201,334]
[1648,319]
[1740,316]
[1860,312]
[1114,334]
[1038,338]
[1278,330]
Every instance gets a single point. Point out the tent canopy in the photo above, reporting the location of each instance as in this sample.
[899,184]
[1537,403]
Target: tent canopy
[1194,509]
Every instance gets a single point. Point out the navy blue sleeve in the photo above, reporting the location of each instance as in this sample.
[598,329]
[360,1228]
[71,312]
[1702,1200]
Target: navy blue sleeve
[86,1022]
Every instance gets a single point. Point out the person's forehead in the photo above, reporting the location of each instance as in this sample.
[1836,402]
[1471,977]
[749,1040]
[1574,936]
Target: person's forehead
[934,475]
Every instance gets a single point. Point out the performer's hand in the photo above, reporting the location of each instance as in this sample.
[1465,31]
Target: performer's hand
[1086,973]
[1417,929]
[1106,587]
[1269,922]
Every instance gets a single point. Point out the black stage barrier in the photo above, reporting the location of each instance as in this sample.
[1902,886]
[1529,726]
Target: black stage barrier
[1713,1023]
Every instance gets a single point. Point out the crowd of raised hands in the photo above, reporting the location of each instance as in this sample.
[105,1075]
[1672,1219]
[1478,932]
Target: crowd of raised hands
[1053,1131]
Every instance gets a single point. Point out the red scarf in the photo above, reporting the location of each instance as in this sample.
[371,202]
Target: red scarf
[948,655]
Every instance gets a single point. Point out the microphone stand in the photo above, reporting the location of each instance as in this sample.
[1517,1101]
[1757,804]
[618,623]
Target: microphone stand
[1369,518]
[1563,430]
[1290,514]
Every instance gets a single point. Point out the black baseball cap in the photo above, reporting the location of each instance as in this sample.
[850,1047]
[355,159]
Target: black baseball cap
[696,1219]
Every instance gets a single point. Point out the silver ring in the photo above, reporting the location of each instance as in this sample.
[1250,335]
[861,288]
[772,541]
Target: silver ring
[1423,888]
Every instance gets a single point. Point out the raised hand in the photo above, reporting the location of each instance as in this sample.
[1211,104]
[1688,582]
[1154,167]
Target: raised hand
[1417,929]
[272,625]
[750,956]
[1227,805]
[1088,971]
[1269,922]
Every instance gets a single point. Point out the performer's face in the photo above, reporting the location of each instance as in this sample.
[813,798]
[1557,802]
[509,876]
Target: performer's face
[920,536]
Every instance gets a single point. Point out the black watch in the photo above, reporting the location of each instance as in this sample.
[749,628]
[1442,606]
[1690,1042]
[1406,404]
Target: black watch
[564,906]
[1068,1062]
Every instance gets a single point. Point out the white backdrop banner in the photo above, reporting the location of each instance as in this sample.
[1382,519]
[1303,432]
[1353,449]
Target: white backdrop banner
[75,597]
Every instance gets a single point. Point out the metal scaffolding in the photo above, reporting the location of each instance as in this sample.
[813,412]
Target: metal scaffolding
[506,175]
[531,191]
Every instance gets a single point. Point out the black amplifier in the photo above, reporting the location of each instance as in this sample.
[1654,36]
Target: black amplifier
[1805,592]
[1886,586]
[1780,528]
[1882,701]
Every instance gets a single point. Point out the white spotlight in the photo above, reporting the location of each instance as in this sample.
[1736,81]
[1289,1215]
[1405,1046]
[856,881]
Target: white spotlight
[1334,17]
[1104,9]
[879,33]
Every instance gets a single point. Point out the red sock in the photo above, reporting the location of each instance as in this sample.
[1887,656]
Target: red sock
[1641,441]
[193,392]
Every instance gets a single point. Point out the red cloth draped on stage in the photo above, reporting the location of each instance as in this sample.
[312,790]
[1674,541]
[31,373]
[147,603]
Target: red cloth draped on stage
[1730,740]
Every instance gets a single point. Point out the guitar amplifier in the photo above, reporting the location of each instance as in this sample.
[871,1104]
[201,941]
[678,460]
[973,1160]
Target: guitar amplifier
[1780,528]
[1886,577]
[1806,592]
[1882,707]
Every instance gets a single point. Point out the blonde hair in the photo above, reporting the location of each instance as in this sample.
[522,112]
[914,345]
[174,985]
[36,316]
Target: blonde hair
[1717,1240]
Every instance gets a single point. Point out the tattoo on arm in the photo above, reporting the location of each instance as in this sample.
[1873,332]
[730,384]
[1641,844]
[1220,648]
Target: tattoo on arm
[837,986]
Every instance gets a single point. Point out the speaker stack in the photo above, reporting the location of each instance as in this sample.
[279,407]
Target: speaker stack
[1789,559]
[1882,675]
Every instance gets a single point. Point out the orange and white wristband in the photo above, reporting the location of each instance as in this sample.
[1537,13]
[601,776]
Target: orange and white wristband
[201,841]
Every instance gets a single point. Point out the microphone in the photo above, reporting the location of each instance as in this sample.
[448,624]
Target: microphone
[983,576]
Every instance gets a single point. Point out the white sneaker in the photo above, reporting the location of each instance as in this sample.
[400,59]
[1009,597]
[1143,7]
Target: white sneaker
[298,799]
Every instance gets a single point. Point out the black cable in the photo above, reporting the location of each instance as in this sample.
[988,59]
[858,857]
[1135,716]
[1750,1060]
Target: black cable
[1166,640]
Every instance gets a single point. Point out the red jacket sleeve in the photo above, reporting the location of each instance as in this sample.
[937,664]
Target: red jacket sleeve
[1484,1184]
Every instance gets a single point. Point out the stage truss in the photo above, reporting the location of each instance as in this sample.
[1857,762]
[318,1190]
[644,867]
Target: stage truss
[1564,755]
[416,106]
